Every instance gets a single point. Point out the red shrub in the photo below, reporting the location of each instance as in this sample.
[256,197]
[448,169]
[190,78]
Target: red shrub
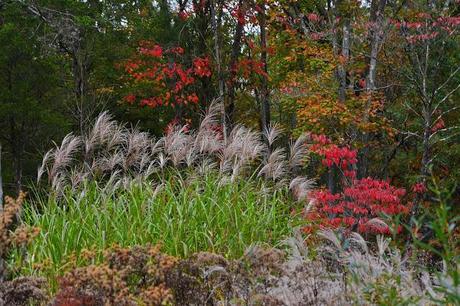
[361,201]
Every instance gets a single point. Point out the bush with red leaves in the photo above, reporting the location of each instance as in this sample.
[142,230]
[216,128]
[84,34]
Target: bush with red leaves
[362,201]
[160,77]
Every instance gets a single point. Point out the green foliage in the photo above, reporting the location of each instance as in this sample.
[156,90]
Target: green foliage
[386,290]
[184,215]
[441,241]
[30,107]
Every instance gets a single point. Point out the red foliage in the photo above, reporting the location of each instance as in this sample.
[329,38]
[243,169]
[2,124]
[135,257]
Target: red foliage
[199,6]
[248,66]
[360,202]
[426,27]
[419,188]
[160,78]
[246,13]
[183,15]
[440,124]
[342,157]
[239,15]
[357,206]
[312,17]
[130,99]
[201,67]
[155,51]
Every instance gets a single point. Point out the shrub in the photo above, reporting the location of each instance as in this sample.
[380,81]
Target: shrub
[359,206]
[21,290]
[361,202]
[144,276]
[127,276]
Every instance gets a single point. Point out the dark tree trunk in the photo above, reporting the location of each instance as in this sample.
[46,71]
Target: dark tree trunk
[18,151]
[231,94]
[264,90]
[341,75]
[80,71]
[16,143]
[216,20]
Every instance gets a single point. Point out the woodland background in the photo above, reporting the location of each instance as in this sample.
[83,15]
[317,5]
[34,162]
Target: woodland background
[276,152]
[381,76]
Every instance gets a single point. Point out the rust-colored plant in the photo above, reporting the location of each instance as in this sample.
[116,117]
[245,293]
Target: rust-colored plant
[127,276]
[10,237]
[21,290]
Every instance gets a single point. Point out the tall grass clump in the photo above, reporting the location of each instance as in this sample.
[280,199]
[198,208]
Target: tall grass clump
[185,215]
[190,190]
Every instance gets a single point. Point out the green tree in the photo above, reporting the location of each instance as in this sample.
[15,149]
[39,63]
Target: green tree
[30,104]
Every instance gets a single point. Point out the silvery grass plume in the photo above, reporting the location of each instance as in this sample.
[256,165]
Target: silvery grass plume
[162,160]
[301,187]
[111,147]
[275,167]
[211,117]
[43,167]
[302,279]
[243,147]
[298,249]
[176,144]
[379,269]
[105,134]
[207,140]
[61,158]
[110,162]
[77,177]
[113,183]
[444,283]
[298,153]
[136,151]
[206,165]
[272,133]
[58,183]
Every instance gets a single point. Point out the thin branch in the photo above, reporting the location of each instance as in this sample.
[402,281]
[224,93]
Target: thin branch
[447,80]
[444,113]
[446,97]
[444,130]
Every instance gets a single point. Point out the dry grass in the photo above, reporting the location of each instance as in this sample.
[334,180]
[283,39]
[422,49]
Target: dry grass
[382,276]
[114,154]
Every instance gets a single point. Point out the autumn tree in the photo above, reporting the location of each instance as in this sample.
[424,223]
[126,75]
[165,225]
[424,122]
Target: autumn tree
[328,69]
[429,40]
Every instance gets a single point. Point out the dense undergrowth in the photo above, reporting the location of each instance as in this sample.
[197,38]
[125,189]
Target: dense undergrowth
[229,219]
[184,215]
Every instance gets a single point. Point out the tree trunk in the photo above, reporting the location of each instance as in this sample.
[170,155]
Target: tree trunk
[18,152]
[17,148]
[426,157]
[426,160]
[80,73]
[236,46]
[342,78]
[264,91]
[215,24]
[375,37]
[342,73]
